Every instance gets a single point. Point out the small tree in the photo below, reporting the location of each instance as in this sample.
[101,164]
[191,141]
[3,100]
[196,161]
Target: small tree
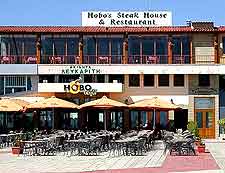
[221,122]
[193,128]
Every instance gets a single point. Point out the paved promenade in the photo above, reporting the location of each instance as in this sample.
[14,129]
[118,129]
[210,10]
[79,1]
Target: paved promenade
[61,163]
[217,149]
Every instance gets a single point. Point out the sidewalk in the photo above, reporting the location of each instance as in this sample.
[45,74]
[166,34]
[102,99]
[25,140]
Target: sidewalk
[204,162]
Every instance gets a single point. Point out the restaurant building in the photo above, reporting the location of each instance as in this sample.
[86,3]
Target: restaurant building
[181,64]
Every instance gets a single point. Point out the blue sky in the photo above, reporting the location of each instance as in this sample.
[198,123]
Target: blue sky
[68,12]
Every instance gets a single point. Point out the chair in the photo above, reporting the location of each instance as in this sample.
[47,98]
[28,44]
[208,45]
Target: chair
[152,60]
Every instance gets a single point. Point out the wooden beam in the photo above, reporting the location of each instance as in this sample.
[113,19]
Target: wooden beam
[38,48]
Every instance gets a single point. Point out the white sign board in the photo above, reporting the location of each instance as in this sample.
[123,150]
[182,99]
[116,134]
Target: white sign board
[131,69]
[130,19]
[100,87]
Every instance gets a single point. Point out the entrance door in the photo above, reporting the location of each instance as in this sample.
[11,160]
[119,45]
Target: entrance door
[205,120]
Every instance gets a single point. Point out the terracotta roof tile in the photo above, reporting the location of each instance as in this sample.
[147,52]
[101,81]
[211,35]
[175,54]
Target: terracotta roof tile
[74,29]
[221,28]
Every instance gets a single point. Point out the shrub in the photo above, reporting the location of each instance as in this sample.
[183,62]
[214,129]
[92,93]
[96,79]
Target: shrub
[193,128]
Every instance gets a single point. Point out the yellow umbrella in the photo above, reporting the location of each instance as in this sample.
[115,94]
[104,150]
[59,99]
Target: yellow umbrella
[154,103]
[52,102]
[103,103]
[8,105]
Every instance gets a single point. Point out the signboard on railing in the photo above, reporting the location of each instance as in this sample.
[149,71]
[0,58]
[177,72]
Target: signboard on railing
[127,18]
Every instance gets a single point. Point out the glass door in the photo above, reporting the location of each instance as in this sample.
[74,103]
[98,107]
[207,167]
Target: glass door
[205,120]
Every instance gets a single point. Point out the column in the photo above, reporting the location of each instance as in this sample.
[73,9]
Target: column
[38,48]
[80,49]
[170,50]
[126,120]
[216,49]
[125,49]
[191,49]
[142,80]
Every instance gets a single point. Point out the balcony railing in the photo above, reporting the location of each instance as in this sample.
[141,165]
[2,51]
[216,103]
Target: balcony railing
[148,59]
[181,59]
[102,59]
[204,59]
[13,59]
[60,59]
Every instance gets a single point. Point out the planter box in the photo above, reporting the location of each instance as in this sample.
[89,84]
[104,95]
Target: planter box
[16,150]
[201,148]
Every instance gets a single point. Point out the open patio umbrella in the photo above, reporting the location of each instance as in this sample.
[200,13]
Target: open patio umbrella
[154,104]
[8,105]
[51,103]
[103,103]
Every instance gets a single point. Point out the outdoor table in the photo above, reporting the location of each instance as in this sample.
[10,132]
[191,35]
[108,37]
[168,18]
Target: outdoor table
[78,144]
[125,142]
[35,145]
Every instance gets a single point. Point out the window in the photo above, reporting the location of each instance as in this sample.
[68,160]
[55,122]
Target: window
[134,80]
[203,80]
[46,78]
[149,80]
[223,45]
[116,77]
[68,78]
[89,78]
[163,80]
[178,80]
[100,78]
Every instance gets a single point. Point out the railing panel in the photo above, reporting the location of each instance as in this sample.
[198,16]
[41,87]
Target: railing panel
[60,59]
[204,59]
[102,59]
[13,59]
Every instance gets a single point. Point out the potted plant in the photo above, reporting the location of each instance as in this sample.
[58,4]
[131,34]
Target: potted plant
[221,122]
[193,128]
[17,147]
[201,147]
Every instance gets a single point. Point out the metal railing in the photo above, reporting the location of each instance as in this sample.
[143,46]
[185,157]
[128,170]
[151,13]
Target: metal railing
[14,59]
[204,59]
[148,59]
[60,59]
[181,59]
[102,59]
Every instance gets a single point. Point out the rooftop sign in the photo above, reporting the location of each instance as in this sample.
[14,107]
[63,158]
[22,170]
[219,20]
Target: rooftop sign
[131,19]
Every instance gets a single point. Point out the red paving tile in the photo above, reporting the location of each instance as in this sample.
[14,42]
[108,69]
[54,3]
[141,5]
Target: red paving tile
[203,161]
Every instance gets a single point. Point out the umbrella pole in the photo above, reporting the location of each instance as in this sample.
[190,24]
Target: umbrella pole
[53,118]
[105,126]
[154,118]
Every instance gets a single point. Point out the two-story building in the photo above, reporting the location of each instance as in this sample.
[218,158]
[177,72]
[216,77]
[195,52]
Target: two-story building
[182,64]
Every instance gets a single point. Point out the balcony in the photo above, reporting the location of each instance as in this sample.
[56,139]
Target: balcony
[18,59]
[102,59]
[204,59]
[148,59]
[60,59]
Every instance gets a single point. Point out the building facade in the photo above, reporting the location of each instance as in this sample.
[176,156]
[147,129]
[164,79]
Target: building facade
[182,64]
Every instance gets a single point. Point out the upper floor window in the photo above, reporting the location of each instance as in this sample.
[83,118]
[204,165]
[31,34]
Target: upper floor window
[18,45]
[146,48]
[134,80]
[204,80]
[178,80]
[149,80]
[163,80]
[223,45]
[63,46]
[119,78]
[99,49]
[181,49]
